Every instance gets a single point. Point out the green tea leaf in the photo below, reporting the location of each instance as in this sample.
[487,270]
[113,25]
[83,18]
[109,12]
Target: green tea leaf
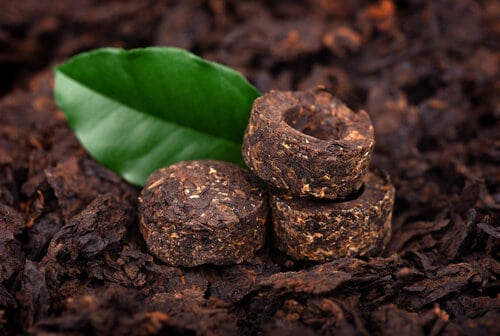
[139,110]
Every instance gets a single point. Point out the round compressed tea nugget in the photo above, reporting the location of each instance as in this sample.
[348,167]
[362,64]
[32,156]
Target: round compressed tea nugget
[309,143]
[308,229]
[199,212]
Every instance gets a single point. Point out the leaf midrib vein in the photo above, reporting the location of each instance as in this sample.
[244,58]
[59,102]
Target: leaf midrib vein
[146,113]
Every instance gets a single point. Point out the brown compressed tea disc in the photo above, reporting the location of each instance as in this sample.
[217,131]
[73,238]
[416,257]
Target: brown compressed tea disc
[309,143]
[199,212]
[308,229]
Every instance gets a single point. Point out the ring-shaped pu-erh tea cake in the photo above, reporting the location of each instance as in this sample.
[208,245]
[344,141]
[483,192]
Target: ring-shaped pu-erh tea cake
[199,212]
[308,229]
[309,143]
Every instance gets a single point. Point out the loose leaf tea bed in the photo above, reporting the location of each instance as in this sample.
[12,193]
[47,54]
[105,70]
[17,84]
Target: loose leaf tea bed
[72,260]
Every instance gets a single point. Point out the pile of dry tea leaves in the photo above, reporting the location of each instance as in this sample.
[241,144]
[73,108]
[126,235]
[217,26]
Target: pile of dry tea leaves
[72,260]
